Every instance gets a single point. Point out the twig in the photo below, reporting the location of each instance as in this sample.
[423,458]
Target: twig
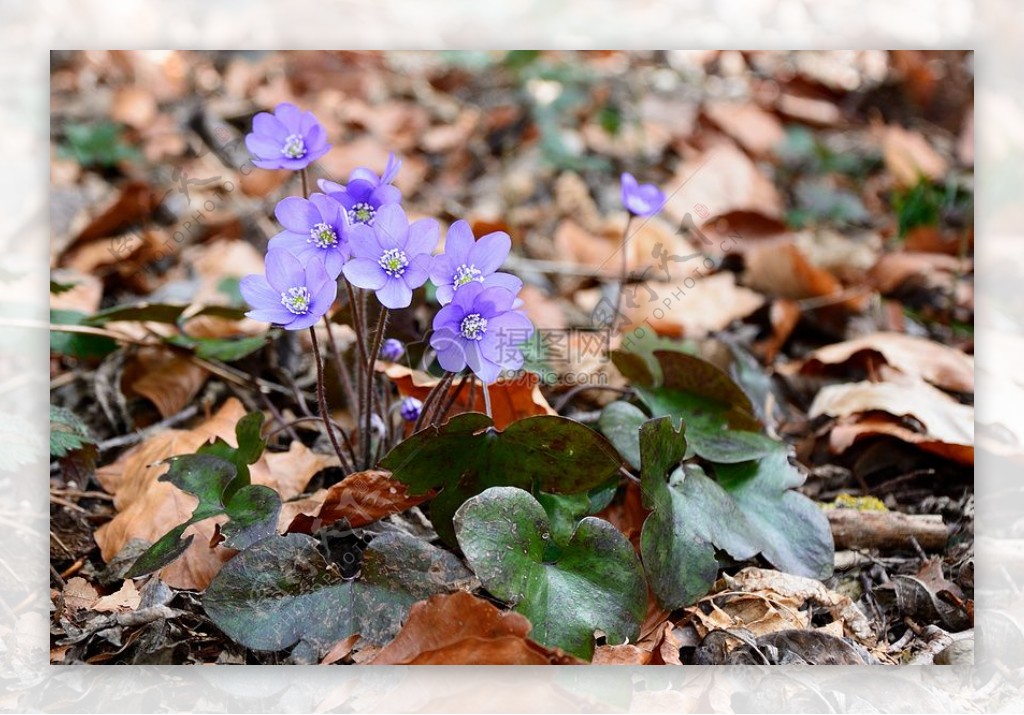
[140,435]
[322,398]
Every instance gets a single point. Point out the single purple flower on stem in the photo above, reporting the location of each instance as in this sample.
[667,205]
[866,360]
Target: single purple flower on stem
[392,350]
[410,409]
[291,294]
[466,260]
[287,139]
[641,199]
[315,229]
[391,257]
[365,192]
[481,329]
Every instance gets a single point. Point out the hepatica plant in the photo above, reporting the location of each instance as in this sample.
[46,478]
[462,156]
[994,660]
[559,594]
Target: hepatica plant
[516,503]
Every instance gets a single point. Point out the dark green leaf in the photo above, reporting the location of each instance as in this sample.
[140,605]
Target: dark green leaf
[281,591]
[565,510]
[467,455]
[250,446]
[166,549]
[253,511]
[749,511]
[148,312]
[593,581]
[77,345]
[620,423]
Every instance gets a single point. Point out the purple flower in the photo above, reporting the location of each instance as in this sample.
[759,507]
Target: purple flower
[365,192]
[410,409]
[391,257]
[466,260]
[392,350]
[315,229]
[287,139]
[641,199]
[481,329]
[290,295]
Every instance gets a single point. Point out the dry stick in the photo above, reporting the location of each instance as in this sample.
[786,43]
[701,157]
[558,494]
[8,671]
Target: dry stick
[339,365]
[622,274]
[371,362]
[446,406]
[886,530]
[440,388]
[322,398]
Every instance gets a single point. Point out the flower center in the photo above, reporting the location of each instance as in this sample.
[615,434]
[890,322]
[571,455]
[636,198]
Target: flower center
[466,274]
[323,236]
[294,147]
[473,326]
[297,300]
[362,213]
[393,262]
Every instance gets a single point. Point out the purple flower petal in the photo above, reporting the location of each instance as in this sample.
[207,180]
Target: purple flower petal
[270,126]
[302,322]
[422,237]
[290,116]
[395,294]
[365,273]
[391,227]
[391,169]
[444,294]
[416,273]
[496,296]
[295,243]
[263,146]
[278,316]
[441,270]
[363,242]
[334,261]
[507,281]
[284,270]
[297,214]
[384,195]
[258,293]
[458,242]
[330,210]
[329,187]
[324,298]
[490,252]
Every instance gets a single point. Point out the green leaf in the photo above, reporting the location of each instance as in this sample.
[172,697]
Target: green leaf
[749,511]
[67,432]
[620,422]
[56,287]
[281,591]
[720,422]
[223,349]
[98,144]
[565,510]
[77,345]
[218,476]
[467,455]
[148,312]
[591,582]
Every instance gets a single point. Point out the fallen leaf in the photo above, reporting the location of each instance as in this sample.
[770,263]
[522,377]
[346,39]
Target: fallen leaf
[912,269]
[909,157]
[85,295]
[147,508]
[781,269]
[127,598]
[848,431]
[167,380]
[756,130]
[134,106]
[939,364]
[693,308]
[461,629]
[511,398]
[359,499]
[626,654]
[722,180]
[79,594]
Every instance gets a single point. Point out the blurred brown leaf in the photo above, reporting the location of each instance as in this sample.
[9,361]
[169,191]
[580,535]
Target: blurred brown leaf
[167,380]
[909,157]
[753,128]
[360,498]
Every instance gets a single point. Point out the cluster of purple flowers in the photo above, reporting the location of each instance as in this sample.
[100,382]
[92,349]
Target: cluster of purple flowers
[359,232]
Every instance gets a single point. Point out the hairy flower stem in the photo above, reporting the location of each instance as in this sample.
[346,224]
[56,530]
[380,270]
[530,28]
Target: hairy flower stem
[303,173]
[446,406]
[623,271]
[321,395]
[339,365]
[487,399]
[369,382]
[428,403]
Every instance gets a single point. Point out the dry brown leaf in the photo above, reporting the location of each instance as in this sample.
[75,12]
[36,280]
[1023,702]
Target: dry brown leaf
[360,498]
[708,305]
[147,508]
[805,106]
[134,106]
[926,270]
[79,594]
[722,180]
[85,296]
[626,654]
[461,629]
[947,425]
[133,203]
[511,398]
[575,244]
[127,598]
[849,430]
[756,130]
[546,313]
[939,364]
[909,157]
[781,269]
[167,380]
[783,316]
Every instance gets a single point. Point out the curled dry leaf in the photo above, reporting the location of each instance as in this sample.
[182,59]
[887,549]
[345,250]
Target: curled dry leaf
[939,364]
[461,629]
[947,427]
[126,598]
[359,499]
[781,269]
[147,508]
[917,269]
[167,380]
[756,130]
[511,398]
